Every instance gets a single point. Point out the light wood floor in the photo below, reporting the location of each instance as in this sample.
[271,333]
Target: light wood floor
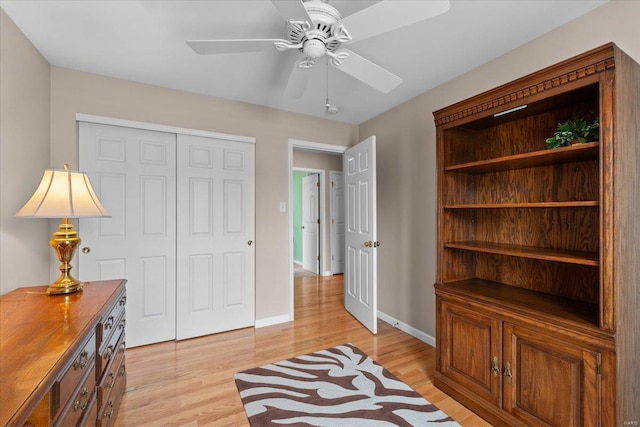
[191,383]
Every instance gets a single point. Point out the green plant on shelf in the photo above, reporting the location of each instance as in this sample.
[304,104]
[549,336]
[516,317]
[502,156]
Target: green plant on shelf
[576,131]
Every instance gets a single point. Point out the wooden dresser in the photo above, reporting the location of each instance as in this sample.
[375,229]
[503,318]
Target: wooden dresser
[62,358]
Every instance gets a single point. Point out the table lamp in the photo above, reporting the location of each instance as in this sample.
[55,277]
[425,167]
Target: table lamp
[64,194]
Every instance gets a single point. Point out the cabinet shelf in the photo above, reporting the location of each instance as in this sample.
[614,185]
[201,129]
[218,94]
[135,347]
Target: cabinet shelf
[569,257]
[542,304]
[574,153]
[569,204]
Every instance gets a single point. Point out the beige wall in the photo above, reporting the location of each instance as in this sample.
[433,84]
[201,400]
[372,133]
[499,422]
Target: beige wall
[24,154]
[407,164]
[406,153]
[327,162]
[77,92]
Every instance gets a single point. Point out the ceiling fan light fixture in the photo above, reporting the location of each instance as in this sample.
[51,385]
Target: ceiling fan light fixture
[314,48]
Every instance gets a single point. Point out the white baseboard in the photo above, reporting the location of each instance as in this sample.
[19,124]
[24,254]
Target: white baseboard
[297,262]
[416,333]
[327,273]
[261,323]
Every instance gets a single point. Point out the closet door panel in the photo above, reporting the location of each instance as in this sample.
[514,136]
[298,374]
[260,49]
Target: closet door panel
[215,180]
[133,174]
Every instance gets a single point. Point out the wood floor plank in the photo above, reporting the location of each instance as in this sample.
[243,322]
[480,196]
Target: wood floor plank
[190,383]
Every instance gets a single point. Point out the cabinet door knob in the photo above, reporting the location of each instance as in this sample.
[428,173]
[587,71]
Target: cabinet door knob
[250,242]
[507,372]
[86,250]
[495,369]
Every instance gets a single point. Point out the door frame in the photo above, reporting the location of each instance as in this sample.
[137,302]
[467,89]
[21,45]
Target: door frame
[321,212]
[312,146]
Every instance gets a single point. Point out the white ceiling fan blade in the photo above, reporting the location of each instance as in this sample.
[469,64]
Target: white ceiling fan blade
[297,82]
[390,15]
[368,72]
[214,47]
[292,10]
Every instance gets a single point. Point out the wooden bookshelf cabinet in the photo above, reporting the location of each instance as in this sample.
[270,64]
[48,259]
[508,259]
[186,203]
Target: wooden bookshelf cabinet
[537,295]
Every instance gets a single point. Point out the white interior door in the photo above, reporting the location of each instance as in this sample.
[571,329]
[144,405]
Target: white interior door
[310,218]
[337,222]
[133,174]
[215,233]
[360,279]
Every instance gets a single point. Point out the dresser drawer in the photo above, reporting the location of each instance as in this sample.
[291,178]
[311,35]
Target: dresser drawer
[81,402]
[111,390]
[109,323]
[90,414]
[83,362]
[109,348]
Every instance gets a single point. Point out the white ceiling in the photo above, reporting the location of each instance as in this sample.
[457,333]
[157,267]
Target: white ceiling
[144,41]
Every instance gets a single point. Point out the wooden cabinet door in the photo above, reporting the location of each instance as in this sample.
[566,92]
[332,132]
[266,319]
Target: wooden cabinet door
[469,347]
[551,382]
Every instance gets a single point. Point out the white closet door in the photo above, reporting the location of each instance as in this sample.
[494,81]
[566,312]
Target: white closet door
[133,174]
[215,233]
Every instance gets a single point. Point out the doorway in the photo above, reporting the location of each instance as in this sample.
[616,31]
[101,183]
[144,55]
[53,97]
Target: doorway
[306,149]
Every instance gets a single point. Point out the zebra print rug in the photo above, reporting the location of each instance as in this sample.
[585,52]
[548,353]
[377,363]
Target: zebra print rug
[339,386]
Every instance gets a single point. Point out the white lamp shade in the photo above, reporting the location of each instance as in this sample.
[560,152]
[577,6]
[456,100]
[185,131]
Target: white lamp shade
[63,194]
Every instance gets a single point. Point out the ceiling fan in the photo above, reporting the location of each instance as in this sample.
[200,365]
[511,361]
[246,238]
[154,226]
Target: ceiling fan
[317,29]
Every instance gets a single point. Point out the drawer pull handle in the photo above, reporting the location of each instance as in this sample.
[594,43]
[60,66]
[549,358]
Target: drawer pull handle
[109,323]
[113,380]
[109,352]
[109,413]
[507,372]
[82,405]
[82,361]
[123,347]
[122,324]
[123,300]
[123,371]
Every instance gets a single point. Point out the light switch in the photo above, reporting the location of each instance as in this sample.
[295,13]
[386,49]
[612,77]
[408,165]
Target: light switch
[283,207]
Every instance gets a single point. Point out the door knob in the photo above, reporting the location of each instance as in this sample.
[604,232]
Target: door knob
[86,250]
[250,242]
[368,243]
[507,372]
[494,366]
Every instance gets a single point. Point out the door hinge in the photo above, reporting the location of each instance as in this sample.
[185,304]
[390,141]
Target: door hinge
[318,257]
[332,221]
[332,183]
[317,183]
[318,220]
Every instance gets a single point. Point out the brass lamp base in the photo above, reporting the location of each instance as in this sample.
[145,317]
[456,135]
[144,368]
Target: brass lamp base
[64,243]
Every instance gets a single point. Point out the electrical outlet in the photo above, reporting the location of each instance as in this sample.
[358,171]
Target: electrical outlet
[283,207]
